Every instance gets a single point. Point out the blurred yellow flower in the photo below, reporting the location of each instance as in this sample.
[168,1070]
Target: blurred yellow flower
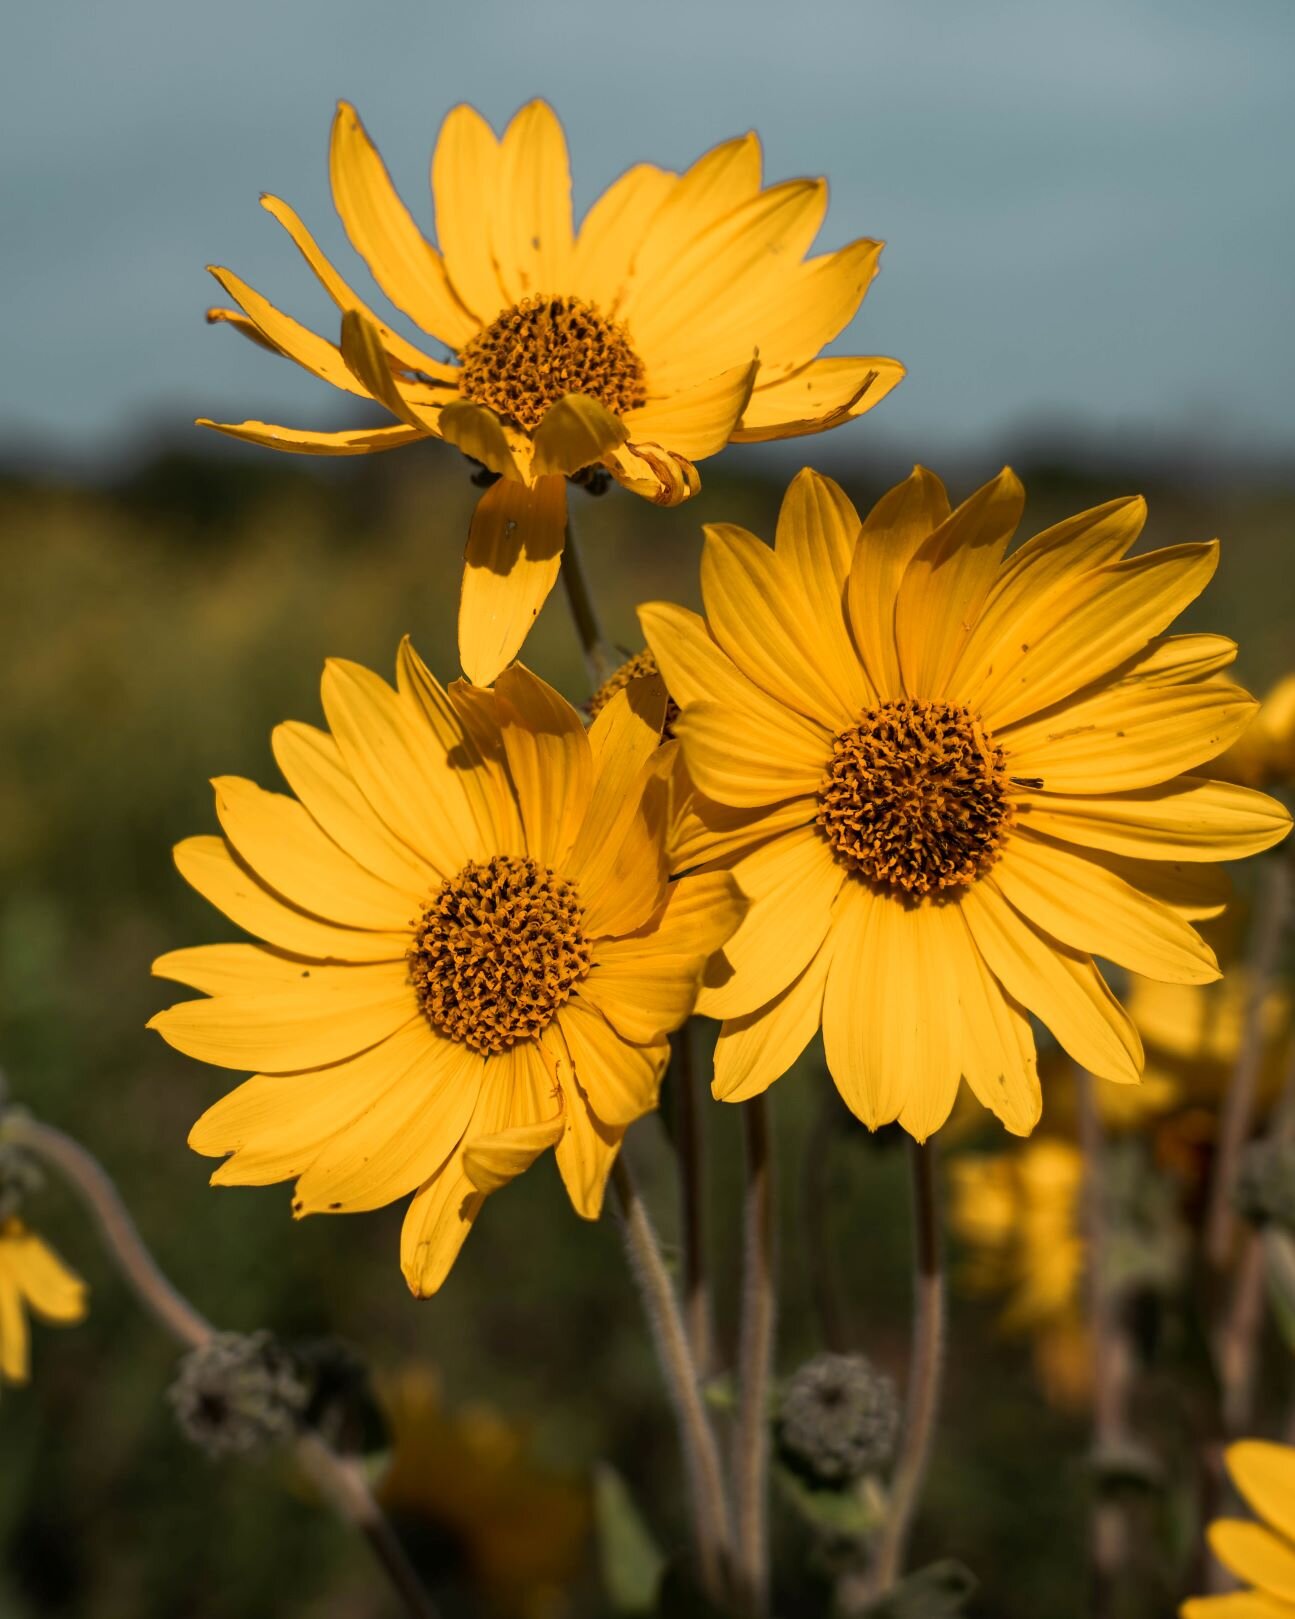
[471,950]
[1264,754]
[1193,1036]
[521,1526]
[33,1280]
[947,780]
[1260,1554]
[682,315]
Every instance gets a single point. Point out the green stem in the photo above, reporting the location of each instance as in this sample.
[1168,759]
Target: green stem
[340,1479]
[759,1308]
[600,660]
[696,1435]
[925,1374]
[689,1144]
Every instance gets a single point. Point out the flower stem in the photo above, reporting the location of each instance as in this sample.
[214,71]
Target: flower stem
[696,1435]
[1239,1102]
[759,1308]
[599,658]
[925,1372]
[1112,1360]
[340,1479]
[690,1147]
[819,1257]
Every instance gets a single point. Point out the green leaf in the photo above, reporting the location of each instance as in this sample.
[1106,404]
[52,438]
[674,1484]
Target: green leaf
[631,1561]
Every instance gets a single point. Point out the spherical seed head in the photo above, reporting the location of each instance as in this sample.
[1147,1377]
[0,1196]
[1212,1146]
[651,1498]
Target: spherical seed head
[238,1393]
[543,348]
[497,952]
[915,797]
[1265,1186]
[20,1177]
[838,1419]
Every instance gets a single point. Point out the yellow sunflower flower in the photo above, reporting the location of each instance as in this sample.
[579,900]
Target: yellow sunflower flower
[1261,1554]
[1264,755]
[947,778]
[470,950]
[682,315]
[32,1280]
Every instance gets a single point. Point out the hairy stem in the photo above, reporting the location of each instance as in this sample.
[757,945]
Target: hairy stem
[689,1143]
[340,1479]
[600,660]
[759,1309]
[819,1255]
[1239,1102]
[1112,1358]
[925,1369]
[696,1435]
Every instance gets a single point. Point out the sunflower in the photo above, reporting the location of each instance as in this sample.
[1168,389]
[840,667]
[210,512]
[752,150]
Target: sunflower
[470,949]
[947,778]
[1261,1554]
[32,1280]
[681,316]
[1264,755]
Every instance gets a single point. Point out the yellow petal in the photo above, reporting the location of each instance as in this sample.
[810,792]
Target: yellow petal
[549,760]
[893,530]
[225,969]
[792,883]
[366,359]
[662,961]
[1079,635]
[1126,737]
[998,1053]
[531,225]
[886,1030]
[1265,1475]
[286,1028]
[534,1121]
[610,234]
[643,1006]
[704,830]
[53,1291]
[587,1148]
[312,766]
[658,475]
[277,838]
[1234,1605]
[208,865]
[275,1125]
[732,761]
[436,1226]
[345,297]
[695,667]
[696,421]
[1193,890]
[1093,910]
[512,561]
[818,529]
[755,1050]
[287,336]
[1188,818]
[301,441]
[395,761]
[1059,985]
[401,260]
[819,396]
[465,184]
[576,432]
[478,432]
[479,714]
[945,584]
[1172,659]
[618,857]
[814,303]
[620,1078]
[406,1135]
[15,1347]
[1042,571]
[759,614]
[1254,1554]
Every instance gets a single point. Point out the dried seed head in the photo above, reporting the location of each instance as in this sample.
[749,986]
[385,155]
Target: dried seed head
[915,797]
[838,1419]
[543,348]
[239,1393]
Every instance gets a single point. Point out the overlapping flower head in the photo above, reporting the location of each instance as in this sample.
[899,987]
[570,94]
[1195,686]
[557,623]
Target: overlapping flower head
[682,315]
[33,1281]
[1262,1554]
[469,949]
[947,778]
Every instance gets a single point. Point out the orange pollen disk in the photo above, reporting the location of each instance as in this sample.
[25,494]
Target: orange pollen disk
[543,348]
[497,951]
[914,797]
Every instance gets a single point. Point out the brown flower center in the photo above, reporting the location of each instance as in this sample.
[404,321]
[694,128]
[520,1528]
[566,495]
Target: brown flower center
[545,347]
[914,797]
[635,668]
[497,952]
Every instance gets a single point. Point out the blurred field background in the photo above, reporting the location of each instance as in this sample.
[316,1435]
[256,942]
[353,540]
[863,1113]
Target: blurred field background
[151,633]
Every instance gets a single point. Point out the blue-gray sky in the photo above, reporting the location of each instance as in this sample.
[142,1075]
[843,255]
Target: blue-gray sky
[1089,207]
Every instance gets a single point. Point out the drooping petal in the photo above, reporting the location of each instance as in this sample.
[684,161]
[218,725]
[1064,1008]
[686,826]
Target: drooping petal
[302,441]
[755,1050]
[53,1291]
[512,561]
[999,1060]
[699,420]
[620,1078]
[821,395]
[477,431]
[286,336]
[588,1146]
[576,432]
[15,1345]
[534,1120]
